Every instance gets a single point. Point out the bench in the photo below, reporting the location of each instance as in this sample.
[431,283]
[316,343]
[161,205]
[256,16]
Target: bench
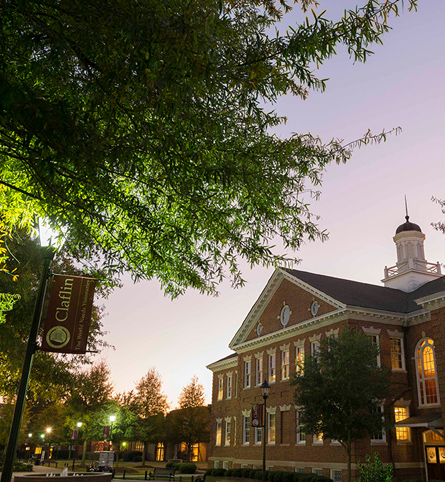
[161,472]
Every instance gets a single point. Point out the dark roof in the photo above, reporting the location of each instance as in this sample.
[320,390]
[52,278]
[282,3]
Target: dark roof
[232,355]
[407,226]
[364,295]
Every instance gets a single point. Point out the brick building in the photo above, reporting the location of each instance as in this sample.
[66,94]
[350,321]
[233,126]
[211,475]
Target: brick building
[296,309]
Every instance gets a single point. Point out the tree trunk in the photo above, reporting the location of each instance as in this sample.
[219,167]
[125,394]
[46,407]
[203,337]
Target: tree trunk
[143,454]
[84,453]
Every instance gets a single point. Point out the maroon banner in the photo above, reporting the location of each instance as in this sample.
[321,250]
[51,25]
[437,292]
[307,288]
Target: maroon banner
[69,314]
[106,433]
[73,434]
[257,415]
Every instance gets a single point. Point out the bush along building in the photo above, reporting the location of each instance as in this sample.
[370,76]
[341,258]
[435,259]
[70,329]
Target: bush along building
[295,311]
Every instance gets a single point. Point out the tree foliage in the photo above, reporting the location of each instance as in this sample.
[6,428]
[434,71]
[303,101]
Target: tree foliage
[144,129]
[341,390]
[192,395]
[149,397]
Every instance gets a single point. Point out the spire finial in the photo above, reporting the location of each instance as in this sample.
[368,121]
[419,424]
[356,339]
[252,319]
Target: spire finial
[406,210]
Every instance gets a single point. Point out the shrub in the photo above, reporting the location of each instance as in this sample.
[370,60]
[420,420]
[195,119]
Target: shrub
[289,477]
[279,476]
[219,472]
[187,468]
[137,458]
[130,455]
[374,470]
[208,471]
[258,474]
[235,473]
[245,473]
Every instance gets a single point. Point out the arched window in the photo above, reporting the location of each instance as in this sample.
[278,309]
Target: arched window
[426,373]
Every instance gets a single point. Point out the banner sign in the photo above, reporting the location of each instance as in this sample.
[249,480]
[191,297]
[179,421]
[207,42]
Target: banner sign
[69,314]
[73,434]
[257,415]
[106,433]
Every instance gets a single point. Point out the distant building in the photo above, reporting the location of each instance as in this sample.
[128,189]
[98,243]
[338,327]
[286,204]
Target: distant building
[405,318]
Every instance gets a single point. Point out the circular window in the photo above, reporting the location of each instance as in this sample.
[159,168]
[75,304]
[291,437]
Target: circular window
[314,308]
[285,315]
[259,329]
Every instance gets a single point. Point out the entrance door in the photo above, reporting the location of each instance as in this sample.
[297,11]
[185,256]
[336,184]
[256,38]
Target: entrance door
[435,457]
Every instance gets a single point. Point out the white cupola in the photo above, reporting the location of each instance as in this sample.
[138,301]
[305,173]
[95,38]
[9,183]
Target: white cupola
[412,269]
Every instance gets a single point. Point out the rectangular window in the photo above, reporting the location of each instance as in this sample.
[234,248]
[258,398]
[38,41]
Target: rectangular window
[246,430]
[228,430]
[300,470]
[317,471]
[299,359]
[301,436]
[218,433]
[375,342]
[225,464]
[380,436]
[402,433]
[216,464]
[236,385]
[272,368]
[315,347]
[247,374]
[220,387]
[336,475]
[229,386]
[259,371]
[258,435]
[285,365]
[271,428]
[317,438]
[397,355]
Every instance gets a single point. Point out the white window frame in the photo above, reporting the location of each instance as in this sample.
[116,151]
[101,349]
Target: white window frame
[421,386]
[220,394]
[300,434]
[317,471]
[225,464]
[247,373]
[229,387]
[394,354]
[285,358]
[236,384]
[299,355]
[228,431]
[246,430]
[272,368]
[271,418]
[216,464]
[258,435]
[334,475]
[402,430]
[315,347]
[218,433]
[381,440]
[259,371]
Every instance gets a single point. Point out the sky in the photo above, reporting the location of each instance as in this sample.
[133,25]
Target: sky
[361,202]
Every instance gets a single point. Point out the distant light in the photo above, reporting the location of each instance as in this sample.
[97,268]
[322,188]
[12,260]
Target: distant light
[48,430]
[112,418]
[30,435]
[79,424]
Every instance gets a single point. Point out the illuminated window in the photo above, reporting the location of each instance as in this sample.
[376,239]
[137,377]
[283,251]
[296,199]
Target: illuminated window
[229,386]
[272,368]
[301,436]
[247,366]
[220,387]
[299,359]
[218,433]
[228,430]
[160,452]
[317,438]
[258,371]
[246,430]
[285,365]
[426,373]
[397,355]
[402,433]
[271,428]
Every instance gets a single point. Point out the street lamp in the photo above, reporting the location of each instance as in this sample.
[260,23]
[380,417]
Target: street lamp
[48,431]
[48,251]
[112,419]
[78,424]
[265,388]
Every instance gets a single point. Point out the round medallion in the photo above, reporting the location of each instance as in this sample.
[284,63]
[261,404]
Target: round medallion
[285,315]
[259,329]
[314,308]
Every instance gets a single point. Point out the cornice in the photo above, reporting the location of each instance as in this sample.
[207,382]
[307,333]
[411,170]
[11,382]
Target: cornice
[223,364]
[432,302]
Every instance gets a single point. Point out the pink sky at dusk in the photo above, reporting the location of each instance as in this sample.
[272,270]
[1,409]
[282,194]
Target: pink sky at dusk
[361,205]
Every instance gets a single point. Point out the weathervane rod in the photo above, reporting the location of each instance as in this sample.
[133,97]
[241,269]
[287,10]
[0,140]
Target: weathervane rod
[406,209]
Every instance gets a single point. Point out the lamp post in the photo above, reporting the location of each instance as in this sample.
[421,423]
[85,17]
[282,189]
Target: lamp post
[78,424]
[48,252]
[112,419]
[265,388]
[48,431]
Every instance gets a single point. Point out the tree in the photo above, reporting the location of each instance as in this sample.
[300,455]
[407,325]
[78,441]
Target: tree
[165,164]
[150,405]
[190,424]
[340,390]
[52,375]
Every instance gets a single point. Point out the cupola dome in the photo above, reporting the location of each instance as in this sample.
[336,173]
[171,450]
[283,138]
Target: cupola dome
[408,226]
